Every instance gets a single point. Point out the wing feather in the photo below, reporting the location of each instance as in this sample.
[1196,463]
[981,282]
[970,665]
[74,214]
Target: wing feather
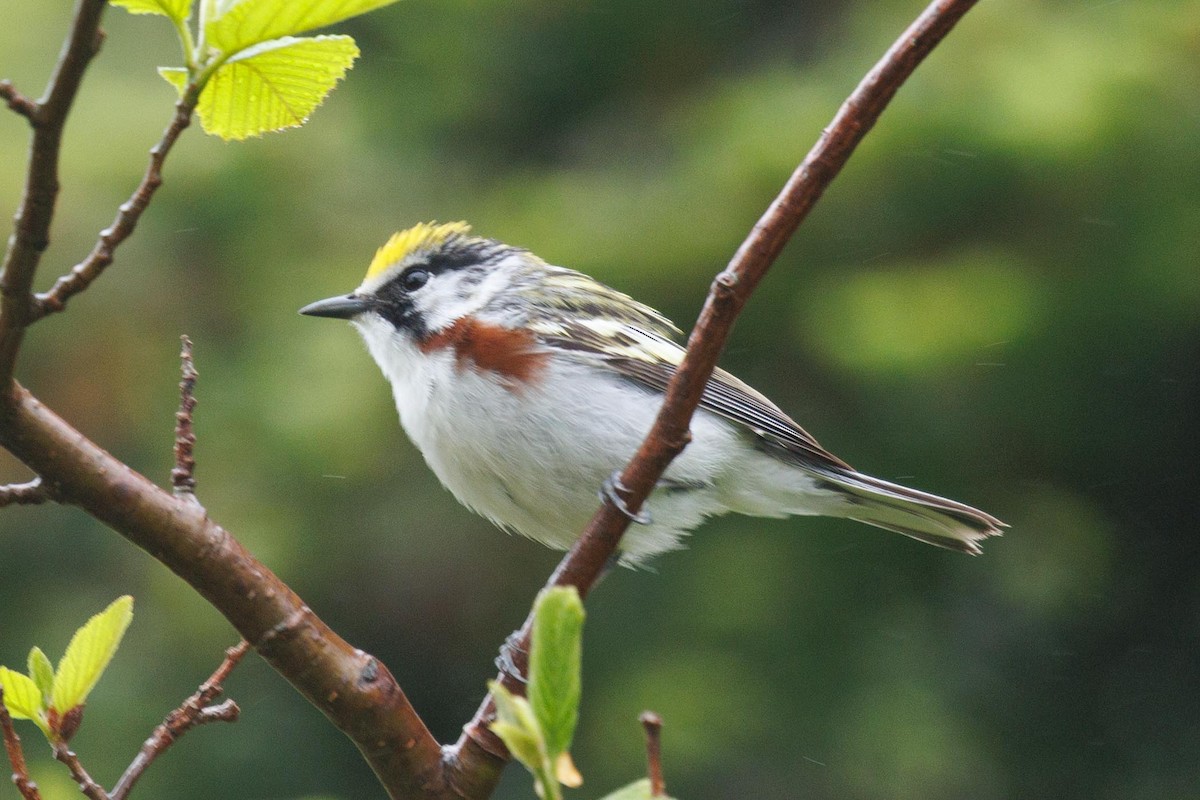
[649,358]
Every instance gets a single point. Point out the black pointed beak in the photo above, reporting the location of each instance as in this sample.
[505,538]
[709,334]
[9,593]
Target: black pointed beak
[344,307]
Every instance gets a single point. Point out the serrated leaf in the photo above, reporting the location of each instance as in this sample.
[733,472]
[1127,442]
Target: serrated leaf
[517,727]
[90,650]
[42,672]
[242,24]
[21,695]
[555,657]
[638,790]
[272,85]
[177,10]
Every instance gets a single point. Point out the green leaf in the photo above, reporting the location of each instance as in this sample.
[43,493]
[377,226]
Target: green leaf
[90,650]
[518,728]
[176,76]
[177,10]
[42,672]
[21,695]
[554,665]
[242,24]
[638,790]
[270,86]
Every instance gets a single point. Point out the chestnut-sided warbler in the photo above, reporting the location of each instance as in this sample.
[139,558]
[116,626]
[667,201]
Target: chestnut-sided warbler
[526,386]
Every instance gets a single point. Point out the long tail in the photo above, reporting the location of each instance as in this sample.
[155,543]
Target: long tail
[925,517]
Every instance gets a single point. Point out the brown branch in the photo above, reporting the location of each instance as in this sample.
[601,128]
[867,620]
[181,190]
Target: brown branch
[183,476]
[86,783]
[16,755]
[352,688]
[30,493]
[85,272]
[478,755]
[653,724]
[18,102]
[192,712]
[31,236]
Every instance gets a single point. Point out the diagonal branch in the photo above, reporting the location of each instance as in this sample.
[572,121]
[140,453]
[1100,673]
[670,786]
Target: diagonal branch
[32,234]
[478,755]
[86,783]
[352,688]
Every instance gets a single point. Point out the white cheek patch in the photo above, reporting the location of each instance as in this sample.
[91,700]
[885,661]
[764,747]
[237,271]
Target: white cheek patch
[449,296]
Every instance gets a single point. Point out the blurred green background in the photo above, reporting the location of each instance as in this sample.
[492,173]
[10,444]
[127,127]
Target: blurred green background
[998,301]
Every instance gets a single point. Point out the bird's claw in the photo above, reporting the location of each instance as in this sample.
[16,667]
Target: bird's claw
[506,661]
[611,491]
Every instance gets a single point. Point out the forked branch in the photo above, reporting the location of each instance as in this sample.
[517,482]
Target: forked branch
[478,751]
[196,710]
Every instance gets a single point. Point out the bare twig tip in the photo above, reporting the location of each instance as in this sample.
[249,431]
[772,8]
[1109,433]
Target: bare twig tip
[18,102]
[653,724]
[183,476]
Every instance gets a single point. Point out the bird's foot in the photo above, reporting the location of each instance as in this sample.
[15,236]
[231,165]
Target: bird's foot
[506,662]
[611,491]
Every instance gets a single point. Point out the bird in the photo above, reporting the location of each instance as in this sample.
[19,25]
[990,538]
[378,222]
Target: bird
[527,386]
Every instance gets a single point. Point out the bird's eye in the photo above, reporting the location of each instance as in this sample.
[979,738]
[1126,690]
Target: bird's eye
[414,279]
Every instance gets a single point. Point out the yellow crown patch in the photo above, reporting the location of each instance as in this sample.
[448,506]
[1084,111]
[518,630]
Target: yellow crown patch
[422,236]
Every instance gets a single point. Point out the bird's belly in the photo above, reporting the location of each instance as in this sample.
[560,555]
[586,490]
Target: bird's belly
[533,458]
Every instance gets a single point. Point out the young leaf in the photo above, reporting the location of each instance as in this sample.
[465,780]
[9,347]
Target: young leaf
[90,650]
[270,86]
[42,672]
[175,9]
[638,790]
[566,772]
[21,695]
[518,728]
[249,22]
[554,665]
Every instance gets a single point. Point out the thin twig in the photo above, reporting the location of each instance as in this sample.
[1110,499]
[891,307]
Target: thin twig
[18,102]
[653,724]
[478,749]
[85,272]
[16,755]
[31,234]
[86,783]
[30,493]
[192,712]
[183,476]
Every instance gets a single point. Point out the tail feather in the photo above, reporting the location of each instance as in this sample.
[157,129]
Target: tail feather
[922,516]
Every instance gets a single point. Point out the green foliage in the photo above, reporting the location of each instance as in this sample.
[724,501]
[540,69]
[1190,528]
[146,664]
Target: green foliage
[555,658]
[248,73]
[538,730]
[269,86]
[177,10]
[638,790]
[53,700]
[250,22]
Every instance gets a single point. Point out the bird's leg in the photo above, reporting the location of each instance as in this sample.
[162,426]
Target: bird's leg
[611,491]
